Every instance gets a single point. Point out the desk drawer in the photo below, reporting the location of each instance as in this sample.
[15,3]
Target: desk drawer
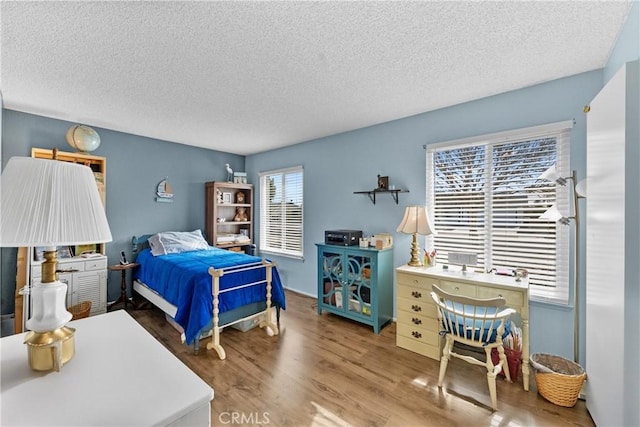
[418,334]
[414,293]
[422,282]
[514,299]
[424,308]
[457,288]
[418,321]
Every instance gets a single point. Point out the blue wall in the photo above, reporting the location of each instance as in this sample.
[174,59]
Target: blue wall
[336,166]
[135,166]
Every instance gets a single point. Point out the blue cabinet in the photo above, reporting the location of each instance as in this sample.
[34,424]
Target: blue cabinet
[356,283]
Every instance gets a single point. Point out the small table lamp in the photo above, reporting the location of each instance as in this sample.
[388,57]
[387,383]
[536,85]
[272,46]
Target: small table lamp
[50,203]
[415,221]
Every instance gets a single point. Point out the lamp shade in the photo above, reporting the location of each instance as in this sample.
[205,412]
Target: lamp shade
[552,214]
[50,203]
[415,220]
[551,174]
[581,188]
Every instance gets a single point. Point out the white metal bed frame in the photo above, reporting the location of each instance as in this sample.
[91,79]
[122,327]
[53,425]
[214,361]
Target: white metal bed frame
[268,323]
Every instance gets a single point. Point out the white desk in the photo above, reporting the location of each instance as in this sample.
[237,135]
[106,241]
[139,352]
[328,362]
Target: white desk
[120,376]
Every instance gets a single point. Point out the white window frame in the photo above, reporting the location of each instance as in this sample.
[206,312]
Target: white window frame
[557,293]
[290,243]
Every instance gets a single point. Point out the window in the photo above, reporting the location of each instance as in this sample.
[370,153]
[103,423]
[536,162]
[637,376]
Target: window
[485,197]
[281,212]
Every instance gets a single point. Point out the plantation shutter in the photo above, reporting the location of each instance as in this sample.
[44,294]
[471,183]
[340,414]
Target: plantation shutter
[486,198]
[281,212]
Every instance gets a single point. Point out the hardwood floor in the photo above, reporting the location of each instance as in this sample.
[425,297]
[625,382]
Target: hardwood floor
[328,371]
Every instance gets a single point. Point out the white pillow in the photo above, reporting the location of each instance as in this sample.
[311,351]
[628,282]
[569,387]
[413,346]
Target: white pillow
[173,242]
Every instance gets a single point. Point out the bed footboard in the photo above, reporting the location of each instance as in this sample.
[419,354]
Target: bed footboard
[269,323]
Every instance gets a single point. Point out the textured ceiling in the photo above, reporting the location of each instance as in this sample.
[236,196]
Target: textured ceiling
[245,77]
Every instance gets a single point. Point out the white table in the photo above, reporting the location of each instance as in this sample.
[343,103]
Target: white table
[120,376]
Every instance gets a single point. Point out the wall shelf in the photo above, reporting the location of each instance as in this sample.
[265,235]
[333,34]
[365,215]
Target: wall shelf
[372,194]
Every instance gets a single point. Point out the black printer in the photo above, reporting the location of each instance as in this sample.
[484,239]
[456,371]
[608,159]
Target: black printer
[342,237]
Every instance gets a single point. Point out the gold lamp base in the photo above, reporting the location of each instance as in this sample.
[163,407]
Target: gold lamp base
[50,350]
[415,253]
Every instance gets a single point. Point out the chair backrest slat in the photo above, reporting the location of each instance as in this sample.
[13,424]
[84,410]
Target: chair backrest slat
[472,320]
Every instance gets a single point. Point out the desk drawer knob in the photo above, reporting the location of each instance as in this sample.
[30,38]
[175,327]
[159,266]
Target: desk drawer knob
[416,334]
[416,294]
[416,308]
[416,321]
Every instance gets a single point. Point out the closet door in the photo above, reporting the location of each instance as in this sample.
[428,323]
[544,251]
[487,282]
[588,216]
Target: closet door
[612,295]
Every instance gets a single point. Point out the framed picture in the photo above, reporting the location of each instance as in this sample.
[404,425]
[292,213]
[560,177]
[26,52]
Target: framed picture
[383,182]
[65,252]
[240,177]
[227,198]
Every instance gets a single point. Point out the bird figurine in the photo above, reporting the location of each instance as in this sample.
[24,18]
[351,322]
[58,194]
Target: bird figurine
[229,173]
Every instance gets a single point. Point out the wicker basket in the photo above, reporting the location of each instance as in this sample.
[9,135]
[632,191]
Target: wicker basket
[80,311]
[558,380]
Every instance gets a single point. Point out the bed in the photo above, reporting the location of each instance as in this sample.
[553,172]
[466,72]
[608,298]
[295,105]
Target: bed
[206,289]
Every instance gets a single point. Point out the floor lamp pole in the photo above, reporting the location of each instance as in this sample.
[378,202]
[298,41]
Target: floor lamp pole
[576,273]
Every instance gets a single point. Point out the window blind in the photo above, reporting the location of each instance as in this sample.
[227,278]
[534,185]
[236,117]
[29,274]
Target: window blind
[281,212]
[486,198]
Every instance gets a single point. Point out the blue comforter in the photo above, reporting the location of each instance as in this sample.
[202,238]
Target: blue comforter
[183,280]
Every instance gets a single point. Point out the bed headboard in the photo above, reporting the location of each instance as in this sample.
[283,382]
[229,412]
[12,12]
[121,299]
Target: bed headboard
[139,243]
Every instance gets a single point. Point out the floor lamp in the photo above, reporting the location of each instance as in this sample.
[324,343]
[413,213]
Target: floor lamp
[578,190]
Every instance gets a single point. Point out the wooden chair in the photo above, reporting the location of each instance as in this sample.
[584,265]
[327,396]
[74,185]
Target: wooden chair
[477,323]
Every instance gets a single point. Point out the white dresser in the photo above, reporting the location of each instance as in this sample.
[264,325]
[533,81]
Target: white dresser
[86,280]
[120,376]
[417,327]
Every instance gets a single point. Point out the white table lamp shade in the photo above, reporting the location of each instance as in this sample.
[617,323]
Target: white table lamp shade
[50,203]
[415,220]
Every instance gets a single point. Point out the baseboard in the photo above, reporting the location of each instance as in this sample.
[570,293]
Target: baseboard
[583,393]
[296,291]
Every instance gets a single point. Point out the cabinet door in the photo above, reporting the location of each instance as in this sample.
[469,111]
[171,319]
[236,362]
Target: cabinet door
[67,278]
[357,279]
[90,286]
[332,278]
